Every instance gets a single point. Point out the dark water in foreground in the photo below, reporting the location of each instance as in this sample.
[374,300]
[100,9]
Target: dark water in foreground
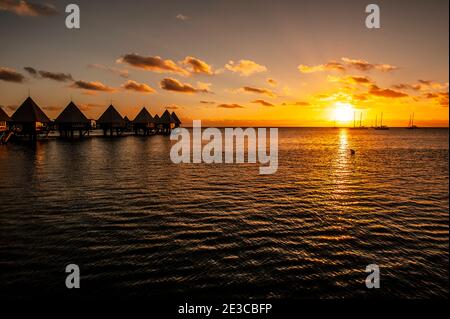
[137,224]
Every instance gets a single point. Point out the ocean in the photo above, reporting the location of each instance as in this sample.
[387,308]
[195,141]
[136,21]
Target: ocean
[138,225]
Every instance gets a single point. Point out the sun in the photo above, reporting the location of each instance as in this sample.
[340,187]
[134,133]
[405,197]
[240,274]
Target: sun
[343,112]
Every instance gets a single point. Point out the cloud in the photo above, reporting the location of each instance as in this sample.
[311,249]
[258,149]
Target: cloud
[31,71]
[182,17]
[358,64]
[173,107]
[352,79]
[298,103]
[440,97]
[207,102]
[388,93]
[196,65]
[121,72]
[92,86]
[26,8]
[52,108]
[250,89]
[152,63]
[231,106]
[174,85]
[272,82]
[330,66]
[245,67]
[262,102]
[60,77]
[11,75]
[88,106]
[55,76]
[138,87]
[363,65]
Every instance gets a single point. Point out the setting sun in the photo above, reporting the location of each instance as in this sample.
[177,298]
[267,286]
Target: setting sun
[343,112]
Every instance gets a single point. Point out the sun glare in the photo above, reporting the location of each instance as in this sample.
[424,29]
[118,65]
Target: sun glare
[343,112]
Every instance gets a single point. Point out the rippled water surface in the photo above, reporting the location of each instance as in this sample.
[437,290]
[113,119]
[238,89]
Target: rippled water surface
[137,224]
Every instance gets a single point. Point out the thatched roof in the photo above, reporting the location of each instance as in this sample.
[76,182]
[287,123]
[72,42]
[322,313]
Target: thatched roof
[166,118]
[143,117]
[157,119]
[111,116]
[175,117]
[29,112]
[3,116]
[72,114]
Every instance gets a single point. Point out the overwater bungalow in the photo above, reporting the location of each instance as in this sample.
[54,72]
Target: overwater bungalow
[144,122]
[167,123]
[176,119]
[128,123]
[5,134]
[4,120]
[111,121]
[30,120]
[72,120]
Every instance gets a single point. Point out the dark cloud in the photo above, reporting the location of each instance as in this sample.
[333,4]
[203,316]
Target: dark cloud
[407,86]
[207,102]
[138,87]
[231,106]
[388,93]
[26,8]
[262,102]
[440,97]
[152,63]
[55,76]
[10,75]
[92,86]
[258,91]
[174,85]
[31,71]
[298,103]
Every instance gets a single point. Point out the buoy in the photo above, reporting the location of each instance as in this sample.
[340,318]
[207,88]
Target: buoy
[352,152]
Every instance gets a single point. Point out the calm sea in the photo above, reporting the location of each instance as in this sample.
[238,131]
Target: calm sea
[138,225]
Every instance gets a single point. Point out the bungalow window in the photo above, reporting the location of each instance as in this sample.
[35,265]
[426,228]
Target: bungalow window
[2,125]
[39,125]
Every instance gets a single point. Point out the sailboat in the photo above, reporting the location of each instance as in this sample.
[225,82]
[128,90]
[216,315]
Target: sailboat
[360,127]
[411,125]
[381,127]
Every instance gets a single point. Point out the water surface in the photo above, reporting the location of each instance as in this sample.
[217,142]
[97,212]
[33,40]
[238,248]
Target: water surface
[137,224]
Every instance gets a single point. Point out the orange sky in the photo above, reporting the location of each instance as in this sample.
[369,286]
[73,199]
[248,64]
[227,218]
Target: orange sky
[289,63]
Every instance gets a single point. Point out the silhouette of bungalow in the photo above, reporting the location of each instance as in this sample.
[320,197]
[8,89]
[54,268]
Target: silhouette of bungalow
[111,121]
[144,122]
[167,123]
[4,120]
[29,119]
[72,119]
[128,123]
[176,119]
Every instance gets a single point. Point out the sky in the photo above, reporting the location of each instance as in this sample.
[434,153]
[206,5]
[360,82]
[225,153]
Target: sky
[231,63]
